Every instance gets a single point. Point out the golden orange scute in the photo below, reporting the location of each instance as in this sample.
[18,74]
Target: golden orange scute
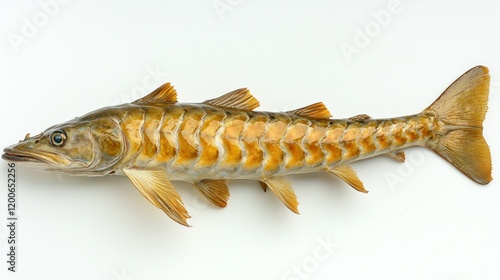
[274,154]
[131,125]
[423,127]
[331,144]
[133,132]
[188,148]
[292,142]
[233,126]
[382,136]
[366,141]
[411,130]
[150,147]
[399,135]
[208,148]
[250,138]
[312,143]
[168,142]
[152,120]
[348,140]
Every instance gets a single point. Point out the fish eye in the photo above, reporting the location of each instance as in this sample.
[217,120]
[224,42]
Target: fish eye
[58,138]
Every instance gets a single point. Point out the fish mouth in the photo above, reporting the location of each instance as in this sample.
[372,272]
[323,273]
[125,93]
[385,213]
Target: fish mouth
[21,155]
[19,158]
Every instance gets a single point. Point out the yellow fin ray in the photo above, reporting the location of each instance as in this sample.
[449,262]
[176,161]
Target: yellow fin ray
[348,175]
[314,111]
[282,188]
[399,156]
[215,191]
[157,189]
[163,94]
[263,185]
[462,108]
[237,99]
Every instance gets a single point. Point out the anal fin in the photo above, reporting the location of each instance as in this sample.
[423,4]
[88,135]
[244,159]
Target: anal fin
[399,156]
[282,188]
[215,191]
[157,189]
[263,185]
[348,175]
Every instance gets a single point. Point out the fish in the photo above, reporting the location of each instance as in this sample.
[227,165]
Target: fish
[156,140]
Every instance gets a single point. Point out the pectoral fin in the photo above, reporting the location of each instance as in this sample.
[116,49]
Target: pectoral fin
[282,188]
[155,187]
[348,175]
[215,191]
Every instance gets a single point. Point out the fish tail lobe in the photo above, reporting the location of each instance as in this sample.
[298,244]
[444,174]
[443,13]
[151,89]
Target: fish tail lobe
[460,111]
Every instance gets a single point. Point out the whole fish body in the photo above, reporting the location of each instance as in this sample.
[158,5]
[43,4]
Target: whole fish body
[155,140]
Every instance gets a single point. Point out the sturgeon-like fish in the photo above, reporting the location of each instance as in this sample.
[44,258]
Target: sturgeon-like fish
[155,140]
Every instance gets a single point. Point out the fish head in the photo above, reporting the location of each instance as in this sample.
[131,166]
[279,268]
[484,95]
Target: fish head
[77,147]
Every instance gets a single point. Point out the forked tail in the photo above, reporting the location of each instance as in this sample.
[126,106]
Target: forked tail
[461,110]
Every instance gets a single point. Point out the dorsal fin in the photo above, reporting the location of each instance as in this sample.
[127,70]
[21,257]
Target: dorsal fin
[360,118]
[313,111]
[164,94]
[238,99]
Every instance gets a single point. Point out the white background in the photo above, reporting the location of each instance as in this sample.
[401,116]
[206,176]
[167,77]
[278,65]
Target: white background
[421,220]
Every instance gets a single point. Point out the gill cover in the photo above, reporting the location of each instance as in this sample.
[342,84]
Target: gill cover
[108,143]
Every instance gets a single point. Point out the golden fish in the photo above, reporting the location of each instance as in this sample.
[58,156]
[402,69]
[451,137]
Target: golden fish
[155,140]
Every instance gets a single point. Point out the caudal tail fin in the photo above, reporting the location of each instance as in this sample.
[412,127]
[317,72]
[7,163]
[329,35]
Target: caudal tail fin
[461,109]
